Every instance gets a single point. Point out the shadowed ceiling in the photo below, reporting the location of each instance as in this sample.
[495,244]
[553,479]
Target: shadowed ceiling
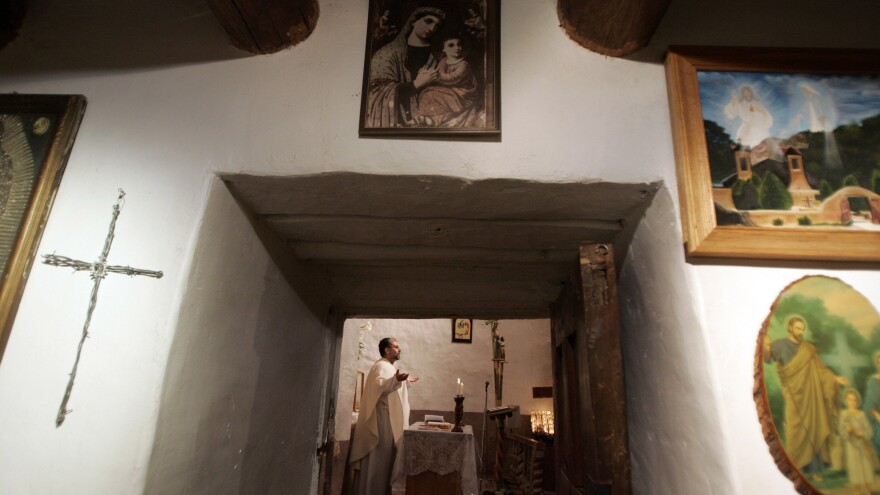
[169,32]
[441,246]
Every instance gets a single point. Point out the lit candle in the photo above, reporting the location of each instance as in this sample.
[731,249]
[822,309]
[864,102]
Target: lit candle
[461,389]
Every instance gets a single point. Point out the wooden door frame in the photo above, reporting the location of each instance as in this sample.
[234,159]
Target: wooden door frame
[585,332]
[585,324]
[335,322]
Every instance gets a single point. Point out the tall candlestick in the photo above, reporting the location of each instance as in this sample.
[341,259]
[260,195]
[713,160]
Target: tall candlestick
[459,413]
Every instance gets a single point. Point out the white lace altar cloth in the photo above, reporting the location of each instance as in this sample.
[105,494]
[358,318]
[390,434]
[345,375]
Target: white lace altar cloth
[439,451]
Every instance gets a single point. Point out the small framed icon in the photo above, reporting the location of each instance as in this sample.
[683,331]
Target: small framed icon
[462,330]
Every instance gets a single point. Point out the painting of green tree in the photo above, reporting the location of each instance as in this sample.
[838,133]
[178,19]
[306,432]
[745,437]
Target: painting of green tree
[783,147]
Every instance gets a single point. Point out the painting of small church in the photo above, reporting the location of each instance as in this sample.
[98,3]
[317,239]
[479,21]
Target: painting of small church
[818,383]
[793,150]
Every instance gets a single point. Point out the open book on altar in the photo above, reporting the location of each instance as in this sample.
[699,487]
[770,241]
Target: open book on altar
[434,422]
[435,426]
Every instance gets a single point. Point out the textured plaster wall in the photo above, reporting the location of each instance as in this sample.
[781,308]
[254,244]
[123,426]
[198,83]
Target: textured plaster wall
[163,116]
[732,343]
[240,403]
[427,352]
[673,406]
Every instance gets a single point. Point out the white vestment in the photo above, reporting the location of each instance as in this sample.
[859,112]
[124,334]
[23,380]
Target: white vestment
[383,416]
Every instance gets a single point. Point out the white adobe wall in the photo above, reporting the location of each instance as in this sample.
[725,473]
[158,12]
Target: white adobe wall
[246,371]
[428,352]
[160,131]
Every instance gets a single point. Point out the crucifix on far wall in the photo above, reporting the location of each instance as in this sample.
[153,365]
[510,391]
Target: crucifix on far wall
[498,360]
[97,271]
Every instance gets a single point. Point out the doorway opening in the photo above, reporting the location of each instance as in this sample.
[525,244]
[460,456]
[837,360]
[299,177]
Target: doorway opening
[281,262]
[430,351]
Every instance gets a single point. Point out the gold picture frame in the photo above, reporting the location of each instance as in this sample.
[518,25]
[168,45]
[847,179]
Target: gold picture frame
[36,136]
[794,234]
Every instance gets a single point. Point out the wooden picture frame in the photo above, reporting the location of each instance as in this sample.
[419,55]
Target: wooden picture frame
[462,330]
[459,94]
[36,136]
[810,229]
[837,356]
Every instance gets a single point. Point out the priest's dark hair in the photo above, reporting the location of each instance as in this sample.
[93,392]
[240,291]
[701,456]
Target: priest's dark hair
[384,344]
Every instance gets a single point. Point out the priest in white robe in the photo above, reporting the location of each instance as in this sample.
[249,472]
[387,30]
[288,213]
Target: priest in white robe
[383,417]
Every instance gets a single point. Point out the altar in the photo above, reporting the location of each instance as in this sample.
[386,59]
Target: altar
[434,461]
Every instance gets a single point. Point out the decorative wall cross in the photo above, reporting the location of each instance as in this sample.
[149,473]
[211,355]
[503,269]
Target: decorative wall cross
[97,271]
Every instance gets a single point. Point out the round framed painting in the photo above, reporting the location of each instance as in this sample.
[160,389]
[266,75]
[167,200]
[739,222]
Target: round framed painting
[817,387]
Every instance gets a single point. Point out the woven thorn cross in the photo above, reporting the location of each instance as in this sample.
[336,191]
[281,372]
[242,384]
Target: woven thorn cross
[98,270]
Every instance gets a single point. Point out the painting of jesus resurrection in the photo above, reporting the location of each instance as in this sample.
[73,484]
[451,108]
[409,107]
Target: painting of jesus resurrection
[817,387]
[431,68]
[790,150]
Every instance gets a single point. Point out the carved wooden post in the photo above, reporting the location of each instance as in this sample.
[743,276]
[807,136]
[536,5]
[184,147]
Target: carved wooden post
[266,26]
[605,363]
[500,443]
[611,28]
[589,396]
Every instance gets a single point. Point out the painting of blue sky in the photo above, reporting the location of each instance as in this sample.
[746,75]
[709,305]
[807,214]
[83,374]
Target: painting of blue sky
[796,102]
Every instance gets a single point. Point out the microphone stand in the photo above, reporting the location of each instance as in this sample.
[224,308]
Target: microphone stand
[483,442]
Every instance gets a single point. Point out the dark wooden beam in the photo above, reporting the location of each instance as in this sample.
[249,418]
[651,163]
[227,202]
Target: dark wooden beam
[266,26]
[338,252]
[11,16]
[444,232]
[499,273]
[510,311]
[432,196]
[445,298]
[616,28]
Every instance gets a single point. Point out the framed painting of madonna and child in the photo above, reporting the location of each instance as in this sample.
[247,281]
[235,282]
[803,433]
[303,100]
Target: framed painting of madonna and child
[431,68]
[817,387]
